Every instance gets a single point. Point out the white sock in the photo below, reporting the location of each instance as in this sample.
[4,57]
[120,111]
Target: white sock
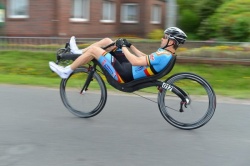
[77,51]
[73,47]
[68,69]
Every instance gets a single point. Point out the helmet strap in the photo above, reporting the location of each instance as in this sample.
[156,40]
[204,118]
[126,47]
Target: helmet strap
[167,45]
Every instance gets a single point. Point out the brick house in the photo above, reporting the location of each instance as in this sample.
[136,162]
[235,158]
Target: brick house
[83,18]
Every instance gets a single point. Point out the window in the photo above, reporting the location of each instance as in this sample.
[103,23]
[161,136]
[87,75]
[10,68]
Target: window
[108,11]
[18,8]
[2,16]
[156,14]
[129,13]
[80,10]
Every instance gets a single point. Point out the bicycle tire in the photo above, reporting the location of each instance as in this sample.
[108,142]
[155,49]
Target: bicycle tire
[86,104]
[201,101]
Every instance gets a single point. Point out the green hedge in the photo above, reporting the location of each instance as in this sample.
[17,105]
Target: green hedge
[230,22]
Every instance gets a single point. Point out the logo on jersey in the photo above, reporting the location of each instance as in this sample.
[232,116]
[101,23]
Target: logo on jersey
[139,68]
[106,66]
[151,57]
[104,62]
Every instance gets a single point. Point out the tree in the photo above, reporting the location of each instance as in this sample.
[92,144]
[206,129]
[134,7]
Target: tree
[188,18]
[193,12]
[206,8]
[229,22]
[189,21]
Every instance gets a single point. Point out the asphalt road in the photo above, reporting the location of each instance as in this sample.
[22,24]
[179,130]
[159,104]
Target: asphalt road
[36,130]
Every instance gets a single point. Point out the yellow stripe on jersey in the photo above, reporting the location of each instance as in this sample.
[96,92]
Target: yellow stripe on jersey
[148,72]
[104,53]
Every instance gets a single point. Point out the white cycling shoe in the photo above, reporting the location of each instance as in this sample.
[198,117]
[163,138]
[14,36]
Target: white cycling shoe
[73,47]
[63,72]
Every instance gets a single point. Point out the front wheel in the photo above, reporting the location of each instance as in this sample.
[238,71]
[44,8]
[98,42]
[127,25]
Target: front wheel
[188,103]
[87,103]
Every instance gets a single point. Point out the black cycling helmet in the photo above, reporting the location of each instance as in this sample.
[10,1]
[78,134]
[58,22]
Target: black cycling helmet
[176,34]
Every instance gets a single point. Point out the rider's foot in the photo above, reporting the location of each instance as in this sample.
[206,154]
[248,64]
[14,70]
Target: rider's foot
[73,47]
[63,72]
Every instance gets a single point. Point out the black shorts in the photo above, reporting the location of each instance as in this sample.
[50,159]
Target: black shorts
[124,68]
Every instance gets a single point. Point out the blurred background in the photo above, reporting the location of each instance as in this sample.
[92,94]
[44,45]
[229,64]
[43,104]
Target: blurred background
[44,22]
[218,30]
[224,20]
[47,22]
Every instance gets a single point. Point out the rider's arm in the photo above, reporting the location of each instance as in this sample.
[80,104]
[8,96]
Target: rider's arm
[136,51]
[135,60]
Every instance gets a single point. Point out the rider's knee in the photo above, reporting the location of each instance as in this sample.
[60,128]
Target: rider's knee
[107,41]
[95,52]
[92,49]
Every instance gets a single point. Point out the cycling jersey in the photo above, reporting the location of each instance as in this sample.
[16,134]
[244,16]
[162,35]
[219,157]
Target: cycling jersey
[156,62]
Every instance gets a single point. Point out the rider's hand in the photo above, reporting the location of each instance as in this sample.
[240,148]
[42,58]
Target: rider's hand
[126,43]
[119,43]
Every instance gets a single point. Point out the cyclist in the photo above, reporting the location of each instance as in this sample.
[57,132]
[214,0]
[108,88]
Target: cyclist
[135,66]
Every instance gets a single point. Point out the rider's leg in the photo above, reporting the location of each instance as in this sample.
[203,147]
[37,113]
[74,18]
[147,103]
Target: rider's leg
[91,53]
[102,43]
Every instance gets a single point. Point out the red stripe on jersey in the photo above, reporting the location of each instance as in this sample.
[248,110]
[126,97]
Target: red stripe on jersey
[146,72]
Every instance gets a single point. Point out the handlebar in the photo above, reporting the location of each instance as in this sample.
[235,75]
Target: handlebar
[108,46]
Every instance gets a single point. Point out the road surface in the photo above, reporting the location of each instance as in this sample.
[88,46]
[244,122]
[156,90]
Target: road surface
[37,130]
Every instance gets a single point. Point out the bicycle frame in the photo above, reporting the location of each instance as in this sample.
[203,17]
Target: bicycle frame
[129,86]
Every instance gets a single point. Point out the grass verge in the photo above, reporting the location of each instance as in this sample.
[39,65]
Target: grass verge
[31,68]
